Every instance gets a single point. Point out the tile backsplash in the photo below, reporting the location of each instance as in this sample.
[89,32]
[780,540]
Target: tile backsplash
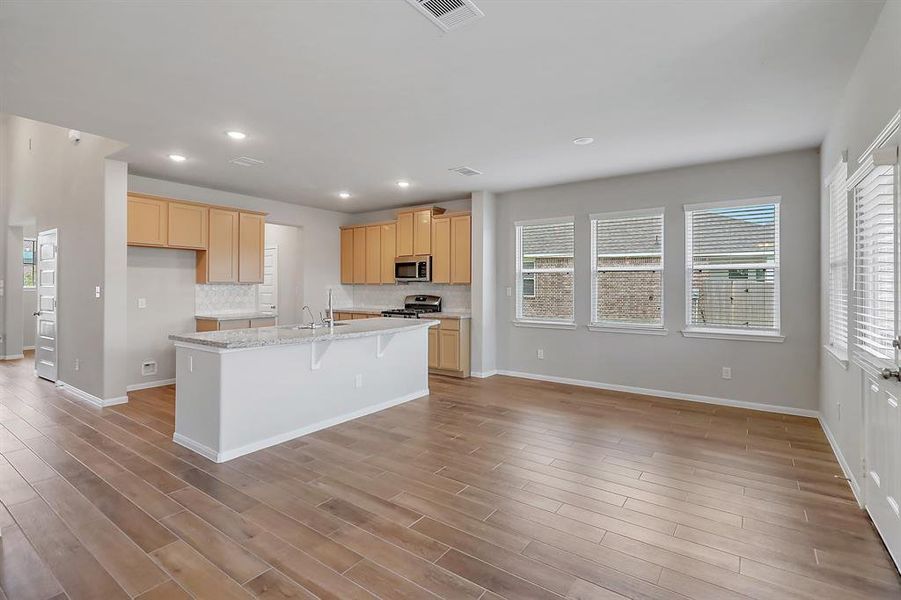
[453,297]
[221,298]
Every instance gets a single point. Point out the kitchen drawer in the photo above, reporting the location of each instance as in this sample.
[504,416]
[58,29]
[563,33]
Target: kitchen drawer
[450,324]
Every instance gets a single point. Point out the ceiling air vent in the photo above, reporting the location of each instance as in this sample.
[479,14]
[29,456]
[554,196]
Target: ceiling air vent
[468,171]
[246,161]
[448,14]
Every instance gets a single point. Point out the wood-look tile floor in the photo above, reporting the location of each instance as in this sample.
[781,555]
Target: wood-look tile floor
[498,488]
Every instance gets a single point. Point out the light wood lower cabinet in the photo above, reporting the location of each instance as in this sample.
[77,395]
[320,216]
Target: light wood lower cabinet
[449,348]
[229,324]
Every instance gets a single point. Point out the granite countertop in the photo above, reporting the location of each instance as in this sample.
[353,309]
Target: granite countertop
[286,334]
[237,316]
[444,314]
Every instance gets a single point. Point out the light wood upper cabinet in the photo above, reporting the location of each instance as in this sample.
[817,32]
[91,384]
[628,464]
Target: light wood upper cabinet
[461,249]
[422,232]
[373,254]
[219,264]
[441,250]
[405,234]
[188,226]
[347,256]
[251,237]
[148,221]
[389,251]
[359,254]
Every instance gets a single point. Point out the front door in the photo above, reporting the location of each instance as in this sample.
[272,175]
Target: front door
[45,352]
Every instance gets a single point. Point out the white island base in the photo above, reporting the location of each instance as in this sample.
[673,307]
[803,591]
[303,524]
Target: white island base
[231,401]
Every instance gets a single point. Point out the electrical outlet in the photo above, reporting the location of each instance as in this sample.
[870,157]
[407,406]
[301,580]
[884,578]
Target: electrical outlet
[540,354]
[358,381]
[727,372]
[142,302]
[509,291]
[96,291]
[77,364]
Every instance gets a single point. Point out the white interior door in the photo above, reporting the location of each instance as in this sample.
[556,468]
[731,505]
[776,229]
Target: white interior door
[45,351]
[268,290]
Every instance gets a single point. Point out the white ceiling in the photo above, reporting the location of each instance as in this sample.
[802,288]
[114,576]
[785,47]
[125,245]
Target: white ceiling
[358,94]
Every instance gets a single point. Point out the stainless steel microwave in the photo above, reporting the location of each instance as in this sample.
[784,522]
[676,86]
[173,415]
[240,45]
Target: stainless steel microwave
[413,268]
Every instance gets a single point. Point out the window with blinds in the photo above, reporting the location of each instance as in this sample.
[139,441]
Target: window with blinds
[627,269]
[545,260]
[732,266]
[874,266]
[836,184]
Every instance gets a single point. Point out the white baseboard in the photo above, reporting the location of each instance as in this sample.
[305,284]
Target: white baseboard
[484,374]
[787,410]
[843,463]
[90,398]
[227,455]
[12,356]
[149,384]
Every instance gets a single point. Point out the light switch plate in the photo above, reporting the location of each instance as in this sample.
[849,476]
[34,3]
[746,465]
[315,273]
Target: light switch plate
[142,302]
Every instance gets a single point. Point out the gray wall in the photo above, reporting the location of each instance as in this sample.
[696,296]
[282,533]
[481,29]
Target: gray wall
[51,182]
[767,373]
[872,97]
[165,278]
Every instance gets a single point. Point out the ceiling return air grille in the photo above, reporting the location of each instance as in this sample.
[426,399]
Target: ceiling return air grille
[246,161]
[448,14]
[468,171]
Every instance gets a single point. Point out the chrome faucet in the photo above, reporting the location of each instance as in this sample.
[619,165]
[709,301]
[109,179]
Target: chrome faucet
[312,318]
[331,312]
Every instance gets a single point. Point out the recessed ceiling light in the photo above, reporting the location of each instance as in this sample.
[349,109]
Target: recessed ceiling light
[403,184]
[236,135]
[344,195]
[177,157]
[583,141]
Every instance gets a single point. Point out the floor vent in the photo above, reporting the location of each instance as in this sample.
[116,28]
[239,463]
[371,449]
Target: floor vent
[246,161]
[468,171]
[448,14]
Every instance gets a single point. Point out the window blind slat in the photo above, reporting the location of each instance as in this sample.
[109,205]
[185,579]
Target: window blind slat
[627,270]
[732,260]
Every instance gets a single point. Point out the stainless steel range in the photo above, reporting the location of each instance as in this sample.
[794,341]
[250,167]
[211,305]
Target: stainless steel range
[415,306]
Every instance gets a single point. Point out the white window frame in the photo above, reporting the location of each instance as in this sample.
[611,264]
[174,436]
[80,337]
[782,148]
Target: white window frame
[727,333]
[518,320]
[836,187]
[609,327]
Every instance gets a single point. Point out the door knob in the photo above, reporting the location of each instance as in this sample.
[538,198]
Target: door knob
[889,373]
[37,314]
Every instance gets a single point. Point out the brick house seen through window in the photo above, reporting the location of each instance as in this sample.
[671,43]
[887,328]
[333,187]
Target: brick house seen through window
[545,263]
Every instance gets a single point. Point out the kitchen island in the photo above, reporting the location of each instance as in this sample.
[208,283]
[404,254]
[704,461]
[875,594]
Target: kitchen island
[242,390]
